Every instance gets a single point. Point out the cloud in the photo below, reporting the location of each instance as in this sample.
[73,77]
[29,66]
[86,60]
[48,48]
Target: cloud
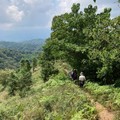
[6,26]
[36,12]
[31,2]
[36,15]
[14,13]
[39,13]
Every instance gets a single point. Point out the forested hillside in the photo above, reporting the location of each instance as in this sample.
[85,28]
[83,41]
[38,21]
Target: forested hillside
[58,98]
[11,52]
[25,46]
[10,58]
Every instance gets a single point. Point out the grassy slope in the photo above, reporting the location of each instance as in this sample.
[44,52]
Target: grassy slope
[57,99]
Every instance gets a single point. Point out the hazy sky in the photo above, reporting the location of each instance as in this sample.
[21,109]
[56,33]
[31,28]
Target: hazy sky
[29,19]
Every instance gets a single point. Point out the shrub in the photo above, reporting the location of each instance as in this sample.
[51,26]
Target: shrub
[21,81]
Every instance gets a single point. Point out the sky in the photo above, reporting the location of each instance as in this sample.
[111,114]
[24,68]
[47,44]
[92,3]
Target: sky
[31,19]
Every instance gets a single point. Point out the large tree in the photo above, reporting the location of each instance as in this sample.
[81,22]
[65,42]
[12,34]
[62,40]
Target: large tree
[69,30]
[87,41]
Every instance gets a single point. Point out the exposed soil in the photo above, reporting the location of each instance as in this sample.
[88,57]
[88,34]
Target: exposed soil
[103,112]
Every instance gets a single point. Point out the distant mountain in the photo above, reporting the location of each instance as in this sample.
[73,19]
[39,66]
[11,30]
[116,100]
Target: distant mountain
[25,46]
[12,52]
[10,58]
[34,41]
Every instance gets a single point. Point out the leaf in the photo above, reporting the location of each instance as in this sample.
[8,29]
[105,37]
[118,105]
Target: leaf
[94,0]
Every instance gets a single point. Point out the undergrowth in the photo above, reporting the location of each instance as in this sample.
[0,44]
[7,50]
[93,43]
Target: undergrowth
[57,99]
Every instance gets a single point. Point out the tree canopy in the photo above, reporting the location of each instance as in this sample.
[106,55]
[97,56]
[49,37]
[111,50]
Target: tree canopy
[88,41]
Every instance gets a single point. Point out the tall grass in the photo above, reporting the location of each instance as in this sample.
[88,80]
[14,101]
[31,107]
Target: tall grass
[57,99]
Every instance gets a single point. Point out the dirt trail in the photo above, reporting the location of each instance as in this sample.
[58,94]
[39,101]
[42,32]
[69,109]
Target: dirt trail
[103,113]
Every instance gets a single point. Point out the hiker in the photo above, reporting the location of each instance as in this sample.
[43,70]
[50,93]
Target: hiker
[81,79]
[74,74]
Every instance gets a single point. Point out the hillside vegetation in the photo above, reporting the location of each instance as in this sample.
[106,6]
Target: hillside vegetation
[11,53]
[56,99]
[10,58]
[25,46]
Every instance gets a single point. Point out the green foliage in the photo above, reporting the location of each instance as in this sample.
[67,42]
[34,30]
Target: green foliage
[54,99]
[103,51]
[34,64]
[11,53]
[47,62]
[25,46]
[47,70]
[117,83]
[75,8]
[4,75]
[10,58]
[88,41]
[61,76]
[20,81]
[68,29]
[13,84]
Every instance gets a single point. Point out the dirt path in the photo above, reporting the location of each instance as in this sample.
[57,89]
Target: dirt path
[103,113]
